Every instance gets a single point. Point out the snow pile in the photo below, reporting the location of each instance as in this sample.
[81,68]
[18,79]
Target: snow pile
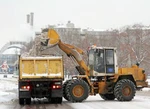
[148,80]
[8,89]
[147,88]
[37,48]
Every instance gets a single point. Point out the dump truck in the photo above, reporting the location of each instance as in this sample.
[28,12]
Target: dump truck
[40,77]
[101,75]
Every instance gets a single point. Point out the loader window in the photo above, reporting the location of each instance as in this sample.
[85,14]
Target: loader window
[91,57]
[110,61]
[99,61]
[109,57]
[96,59]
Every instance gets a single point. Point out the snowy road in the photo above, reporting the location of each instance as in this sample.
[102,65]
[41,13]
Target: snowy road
[93,102]
[9,100]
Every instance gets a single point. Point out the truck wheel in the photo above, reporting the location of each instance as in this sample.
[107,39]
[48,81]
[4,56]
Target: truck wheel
[28,100]
[107,96]
[124,90]
[64,88]
[59,100]
[56,100]
[21,101]
[77,90]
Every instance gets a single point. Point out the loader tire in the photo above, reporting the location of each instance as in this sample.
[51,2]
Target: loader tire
[64,88]
[124,90]
[107,96]
[77,90]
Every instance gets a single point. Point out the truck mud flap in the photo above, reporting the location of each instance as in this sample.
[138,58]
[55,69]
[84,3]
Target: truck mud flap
[57,93]
[24,94]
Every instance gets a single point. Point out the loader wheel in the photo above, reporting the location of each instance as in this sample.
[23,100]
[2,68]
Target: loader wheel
[64,88]
[124,90]
[77,90]
[107,96]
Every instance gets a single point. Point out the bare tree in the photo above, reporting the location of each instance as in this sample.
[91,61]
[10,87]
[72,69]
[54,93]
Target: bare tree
[133,45]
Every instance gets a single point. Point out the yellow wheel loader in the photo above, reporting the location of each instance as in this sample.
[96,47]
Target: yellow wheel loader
[100,75]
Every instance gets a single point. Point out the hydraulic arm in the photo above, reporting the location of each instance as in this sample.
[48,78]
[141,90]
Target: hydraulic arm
[71,51]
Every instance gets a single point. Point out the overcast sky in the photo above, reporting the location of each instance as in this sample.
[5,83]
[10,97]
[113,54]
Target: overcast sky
[95,14]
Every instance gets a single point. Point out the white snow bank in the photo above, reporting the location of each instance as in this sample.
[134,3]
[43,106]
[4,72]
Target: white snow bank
[148,80]
[7,96]
[3,93]
[146,89]
[8,88]
[10,77]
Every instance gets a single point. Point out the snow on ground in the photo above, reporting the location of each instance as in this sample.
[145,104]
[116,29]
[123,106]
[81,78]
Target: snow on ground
[148,80]
[9,93]
[147,88]
[8,88]
[95,102]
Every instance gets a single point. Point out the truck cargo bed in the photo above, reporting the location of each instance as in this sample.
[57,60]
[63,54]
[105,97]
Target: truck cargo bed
[41,67]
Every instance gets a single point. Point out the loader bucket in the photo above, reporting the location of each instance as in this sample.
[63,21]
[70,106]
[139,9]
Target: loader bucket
[53,37]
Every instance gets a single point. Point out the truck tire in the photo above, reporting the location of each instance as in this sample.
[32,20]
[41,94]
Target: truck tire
[28,100]
[56,100]
[77,90]
[107,96]
[124,90]
[64,88]
[21,101]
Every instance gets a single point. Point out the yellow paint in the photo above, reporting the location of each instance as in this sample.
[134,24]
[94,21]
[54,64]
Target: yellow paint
[135,71]
[37,68]
[53,36]
[102,87]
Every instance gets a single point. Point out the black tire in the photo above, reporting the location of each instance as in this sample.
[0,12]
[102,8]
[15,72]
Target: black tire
[77,90]
[28,101]
[56,100]
[107,96]
[64,88]
[21,101]
[124,90]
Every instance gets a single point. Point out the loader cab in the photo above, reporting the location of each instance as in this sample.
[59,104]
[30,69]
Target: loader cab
[102,61]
